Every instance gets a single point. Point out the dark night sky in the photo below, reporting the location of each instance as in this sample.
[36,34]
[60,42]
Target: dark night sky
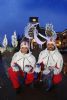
[14,14]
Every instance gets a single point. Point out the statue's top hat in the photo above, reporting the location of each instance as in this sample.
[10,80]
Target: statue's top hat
[33,19]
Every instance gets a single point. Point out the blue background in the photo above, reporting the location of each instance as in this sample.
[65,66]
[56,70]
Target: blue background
[14,15]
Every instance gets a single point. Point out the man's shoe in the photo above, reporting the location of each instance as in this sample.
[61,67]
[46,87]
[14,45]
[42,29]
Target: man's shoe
[19,90]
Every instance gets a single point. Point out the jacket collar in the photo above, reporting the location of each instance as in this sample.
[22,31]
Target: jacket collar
[25,55]
[52,52]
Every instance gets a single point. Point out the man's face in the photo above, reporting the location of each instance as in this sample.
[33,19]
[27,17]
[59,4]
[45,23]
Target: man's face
[50,47]
[24,50]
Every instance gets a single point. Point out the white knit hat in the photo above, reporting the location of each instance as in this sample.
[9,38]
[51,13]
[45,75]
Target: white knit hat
[24,44]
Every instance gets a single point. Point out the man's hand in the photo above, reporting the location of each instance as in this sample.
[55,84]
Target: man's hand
[15,67]
[28,68]
[38,65]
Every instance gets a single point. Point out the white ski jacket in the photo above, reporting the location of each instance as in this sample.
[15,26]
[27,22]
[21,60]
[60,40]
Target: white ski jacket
[51,60]
[23,60]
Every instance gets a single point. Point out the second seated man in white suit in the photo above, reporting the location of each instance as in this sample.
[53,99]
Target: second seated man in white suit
[52,63]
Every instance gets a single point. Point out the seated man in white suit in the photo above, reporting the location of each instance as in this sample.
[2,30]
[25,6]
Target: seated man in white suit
[22,66]
[52,62]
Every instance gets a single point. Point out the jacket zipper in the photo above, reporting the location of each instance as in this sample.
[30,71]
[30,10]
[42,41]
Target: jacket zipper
[23,64]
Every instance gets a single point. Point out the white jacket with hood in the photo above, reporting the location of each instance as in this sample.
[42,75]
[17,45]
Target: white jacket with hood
[22,60]
[51,60]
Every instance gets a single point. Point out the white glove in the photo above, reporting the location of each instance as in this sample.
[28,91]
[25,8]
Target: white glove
[15,69]
[37,70]
[27,69]
[46,71]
